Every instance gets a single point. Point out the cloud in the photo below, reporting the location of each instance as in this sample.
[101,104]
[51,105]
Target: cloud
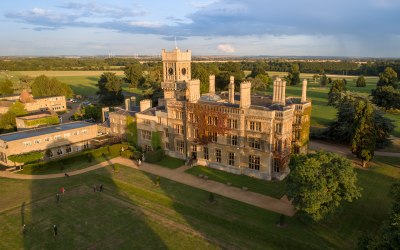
[92,9]
[226,47]
[173,38]
[363,19]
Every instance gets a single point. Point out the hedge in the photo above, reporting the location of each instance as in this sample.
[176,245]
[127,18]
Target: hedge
[154,156]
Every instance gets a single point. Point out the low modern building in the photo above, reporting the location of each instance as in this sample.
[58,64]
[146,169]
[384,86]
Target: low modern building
[56,141]
[54,103]
[37,119]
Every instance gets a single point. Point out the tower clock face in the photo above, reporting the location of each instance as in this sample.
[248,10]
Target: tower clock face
[184,71]
[170,71]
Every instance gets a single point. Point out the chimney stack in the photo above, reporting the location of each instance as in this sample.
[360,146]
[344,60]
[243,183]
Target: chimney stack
[145,104]
[211,88]
[127,104]
[279,92]
[104,113]
[245,94]
[304,91]
[231,90]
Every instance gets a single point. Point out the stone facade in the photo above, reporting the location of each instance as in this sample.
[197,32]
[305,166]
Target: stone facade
[259,133]
[56,141]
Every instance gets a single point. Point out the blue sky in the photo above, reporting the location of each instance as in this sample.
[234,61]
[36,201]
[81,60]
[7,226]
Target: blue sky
[207,27]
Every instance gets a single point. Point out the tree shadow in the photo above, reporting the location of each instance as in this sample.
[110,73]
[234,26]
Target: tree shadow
[85,216]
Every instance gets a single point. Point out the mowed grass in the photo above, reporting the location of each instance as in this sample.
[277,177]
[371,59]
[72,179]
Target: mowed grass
[134,213]
[170,162]
[271,188]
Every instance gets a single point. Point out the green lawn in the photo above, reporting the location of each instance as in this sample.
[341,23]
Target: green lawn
[170,162]
[73,162]
[272,188]
[135,213]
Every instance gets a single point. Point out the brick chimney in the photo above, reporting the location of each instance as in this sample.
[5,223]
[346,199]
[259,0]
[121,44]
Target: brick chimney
[245,94]
[304,91]
[279,92]
[211,88]
[145,104]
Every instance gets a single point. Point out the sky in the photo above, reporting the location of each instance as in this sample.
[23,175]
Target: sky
[353,28]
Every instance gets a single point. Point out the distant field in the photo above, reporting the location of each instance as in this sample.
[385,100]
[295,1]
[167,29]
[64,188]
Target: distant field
[81,82]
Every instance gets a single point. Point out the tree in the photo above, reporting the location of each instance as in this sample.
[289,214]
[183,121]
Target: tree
[386,97]
[134,74]
[261,82]
[363,141]
[257,69]
[27,157]
[388,237]
[323,80]
[92,112]
[319,183]
[110,90]
[44,86]
[7,120]
[342,130]
[201,73]
[361,81]
[293,78]
[6,87]
[336,92]
[388,78]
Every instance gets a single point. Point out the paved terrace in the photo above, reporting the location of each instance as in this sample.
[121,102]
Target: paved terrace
[281,206]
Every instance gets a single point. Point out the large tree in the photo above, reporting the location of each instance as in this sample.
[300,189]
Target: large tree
[293,78]
[342,130]
[319,183]
[7,120]
[6,87]
[336,92]
[363,140]
[134,74]
[110,90]
[360,81]
[323,80]
[45,86]
[388,78]
[386,97]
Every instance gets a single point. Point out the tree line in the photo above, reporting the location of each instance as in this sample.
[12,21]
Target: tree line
[371,67]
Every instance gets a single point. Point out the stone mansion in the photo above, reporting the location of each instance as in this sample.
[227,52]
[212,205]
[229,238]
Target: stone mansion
[232,131]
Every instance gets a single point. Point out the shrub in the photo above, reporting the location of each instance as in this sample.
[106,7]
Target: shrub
[154,156]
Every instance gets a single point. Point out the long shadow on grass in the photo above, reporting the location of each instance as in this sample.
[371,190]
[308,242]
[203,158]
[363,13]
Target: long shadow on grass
[231,224]
[85,217]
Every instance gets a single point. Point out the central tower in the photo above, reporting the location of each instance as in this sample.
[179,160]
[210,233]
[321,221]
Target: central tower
[176,65]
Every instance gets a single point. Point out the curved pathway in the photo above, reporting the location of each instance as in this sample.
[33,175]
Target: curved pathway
[282,206]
